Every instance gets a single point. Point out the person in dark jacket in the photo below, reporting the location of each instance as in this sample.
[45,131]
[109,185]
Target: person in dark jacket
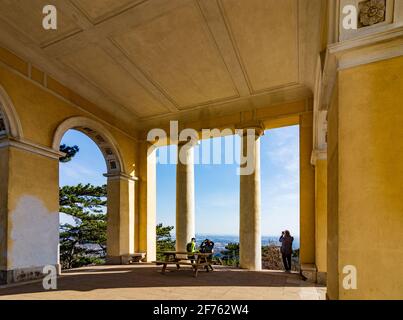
[286,249]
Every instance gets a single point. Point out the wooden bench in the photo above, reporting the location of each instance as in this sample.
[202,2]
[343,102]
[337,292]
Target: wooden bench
[201,260]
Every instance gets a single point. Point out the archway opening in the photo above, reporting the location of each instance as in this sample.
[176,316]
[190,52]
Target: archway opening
[90,159]
[166,200]
[217,192]
[280,189]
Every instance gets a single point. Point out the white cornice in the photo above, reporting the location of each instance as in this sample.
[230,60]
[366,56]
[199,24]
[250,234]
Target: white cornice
[29,146]
[367,40]
[120,176]
[359,51]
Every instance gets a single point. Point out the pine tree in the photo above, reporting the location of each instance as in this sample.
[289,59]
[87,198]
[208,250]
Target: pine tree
[83,242]
[86,204]
[69,151]
[230,256]
[164,239]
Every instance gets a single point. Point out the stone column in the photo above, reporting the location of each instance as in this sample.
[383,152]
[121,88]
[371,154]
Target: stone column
[121,219]
[250,252]
[147,216]
[185,201]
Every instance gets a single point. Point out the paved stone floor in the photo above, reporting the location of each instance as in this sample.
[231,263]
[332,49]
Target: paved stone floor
[146,282]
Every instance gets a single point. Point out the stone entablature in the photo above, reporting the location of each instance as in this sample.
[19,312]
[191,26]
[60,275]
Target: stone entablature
[372,16]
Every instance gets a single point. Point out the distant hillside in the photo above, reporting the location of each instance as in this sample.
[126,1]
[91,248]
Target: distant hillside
[271,256]
[220,241]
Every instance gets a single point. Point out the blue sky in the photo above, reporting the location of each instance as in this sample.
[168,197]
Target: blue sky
[216,186]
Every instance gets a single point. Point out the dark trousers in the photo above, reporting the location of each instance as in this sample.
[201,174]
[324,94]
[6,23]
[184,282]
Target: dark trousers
[287,261]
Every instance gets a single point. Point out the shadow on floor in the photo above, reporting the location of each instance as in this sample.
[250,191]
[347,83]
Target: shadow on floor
[109,277]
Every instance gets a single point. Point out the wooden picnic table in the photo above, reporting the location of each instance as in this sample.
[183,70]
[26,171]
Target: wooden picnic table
[193,259]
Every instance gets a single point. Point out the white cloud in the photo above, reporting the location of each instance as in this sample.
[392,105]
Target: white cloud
[280,187]
[285,154]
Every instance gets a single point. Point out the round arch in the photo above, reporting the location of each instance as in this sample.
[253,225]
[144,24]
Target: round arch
[9,121]
[99,134]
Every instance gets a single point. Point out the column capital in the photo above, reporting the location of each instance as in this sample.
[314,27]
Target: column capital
[318,155]
[258,126]
[120,176]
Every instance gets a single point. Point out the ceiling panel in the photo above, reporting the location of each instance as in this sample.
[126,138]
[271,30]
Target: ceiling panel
[160,59]
[178,54]
[94,64]
[100,10]
[266,37]
[26,17]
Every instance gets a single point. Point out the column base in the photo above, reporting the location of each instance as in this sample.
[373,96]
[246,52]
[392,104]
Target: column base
[309,272]
[321,278]
[133,258]
[126,259]
[113,260]
[23,274]
[250,267]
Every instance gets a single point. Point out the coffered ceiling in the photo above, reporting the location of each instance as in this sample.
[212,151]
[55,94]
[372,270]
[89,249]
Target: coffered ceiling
[161,59]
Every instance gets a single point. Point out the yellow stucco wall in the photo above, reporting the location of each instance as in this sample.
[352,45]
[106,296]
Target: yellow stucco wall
[370,175]
[33,206]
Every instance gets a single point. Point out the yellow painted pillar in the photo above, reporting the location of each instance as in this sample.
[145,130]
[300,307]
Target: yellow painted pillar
[307,197]
[121,217]
[333,200]
[366,132]
[147,200]
[321,219]
[29,210]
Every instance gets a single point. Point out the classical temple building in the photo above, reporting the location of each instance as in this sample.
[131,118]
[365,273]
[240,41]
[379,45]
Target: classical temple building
[115,69]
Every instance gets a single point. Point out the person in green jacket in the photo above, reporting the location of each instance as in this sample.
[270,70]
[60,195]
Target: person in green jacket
[191,248]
